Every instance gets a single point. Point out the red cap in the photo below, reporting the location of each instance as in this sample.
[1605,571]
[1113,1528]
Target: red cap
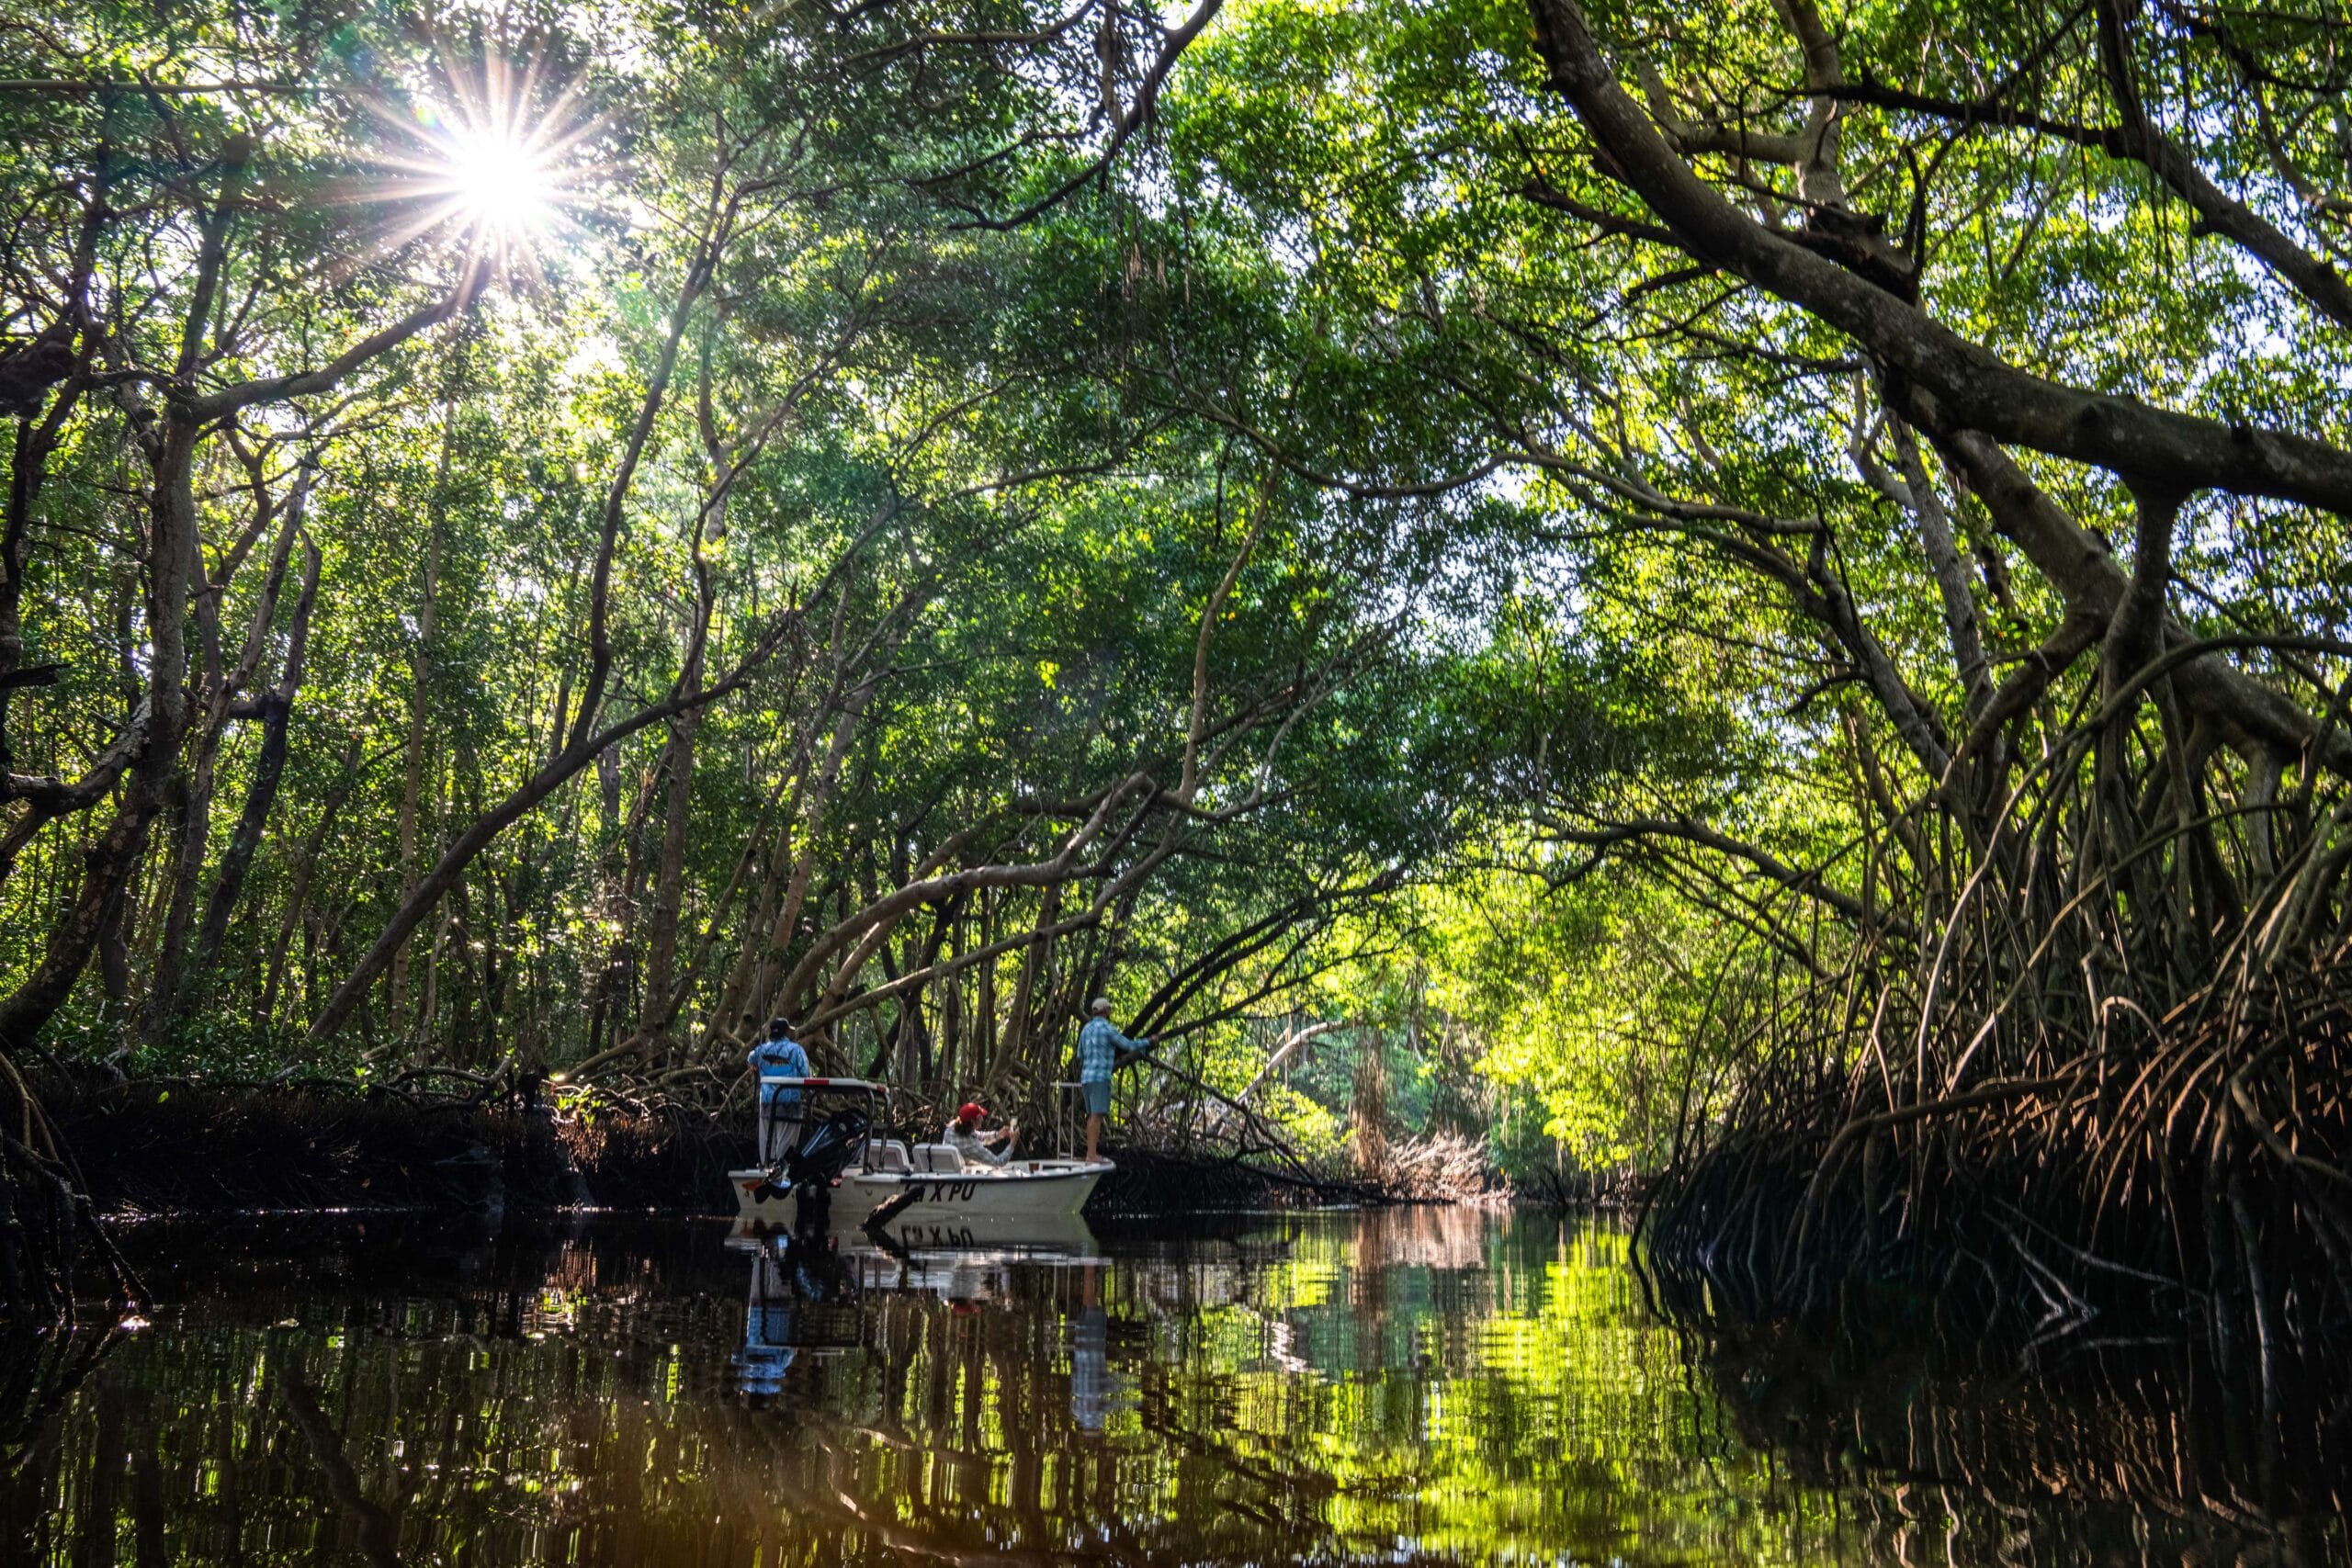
[970,1111]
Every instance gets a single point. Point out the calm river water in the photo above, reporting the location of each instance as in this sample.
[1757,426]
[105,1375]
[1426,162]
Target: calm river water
[1426,1386]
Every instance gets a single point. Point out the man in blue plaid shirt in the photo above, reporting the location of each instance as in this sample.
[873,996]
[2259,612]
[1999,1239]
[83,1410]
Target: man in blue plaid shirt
[1099,1044]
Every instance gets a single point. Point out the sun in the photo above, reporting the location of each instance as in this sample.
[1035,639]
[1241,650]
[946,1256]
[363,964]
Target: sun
[499,184]
[492,163]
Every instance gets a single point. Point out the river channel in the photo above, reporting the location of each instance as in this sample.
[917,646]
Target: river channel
[1420,1385]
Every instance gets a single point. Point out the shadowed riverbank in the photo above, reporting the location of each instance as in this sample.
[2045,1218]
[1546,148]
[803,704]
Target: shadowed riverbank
[161,1147]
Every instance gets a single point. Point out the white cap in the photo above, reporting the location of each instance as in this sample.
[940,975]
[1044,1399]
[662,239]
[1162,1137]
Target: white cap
[1100,1004]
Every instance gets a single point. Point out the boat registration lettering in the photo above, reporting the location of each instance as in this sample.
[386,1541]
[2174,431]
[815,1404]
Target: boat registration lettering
[935,1236]
[950,1192]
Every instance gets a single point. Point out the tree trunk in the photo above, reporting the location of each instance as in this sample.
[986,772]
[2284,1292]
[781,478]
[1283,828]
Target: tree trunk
[804,862]
[107,863]
[276,712]
[223,683]
[420,699]
[670,875]
[306,867]
[114,953]
[185,866]
[726,1021]
[36,441]
[1034,957]
[1962,625]
[461,853]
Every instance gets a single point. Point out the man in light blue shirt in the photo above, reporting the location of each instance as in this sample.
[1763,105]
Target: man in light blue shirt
[779,1056]
[1099,1044]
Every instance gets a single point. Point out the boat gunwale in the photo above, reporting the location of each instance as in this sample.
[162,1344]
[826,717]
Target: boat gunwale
[1100,1167]
[968,1173]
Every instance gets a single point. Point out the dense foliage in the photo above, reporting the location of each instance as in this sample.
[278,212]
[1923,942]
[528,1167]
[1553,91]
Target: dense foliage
[1927,425]
[538,542]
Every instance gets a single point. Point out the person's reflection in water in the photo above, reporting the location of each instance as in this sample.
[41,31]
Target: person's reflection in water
[767,1351]
[814,1269]
[1090,1358]
[971,1280]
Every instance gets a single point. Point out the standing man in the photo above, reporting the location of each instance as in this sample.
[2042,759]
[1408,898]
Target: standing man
[1099,1044]
[779,1056]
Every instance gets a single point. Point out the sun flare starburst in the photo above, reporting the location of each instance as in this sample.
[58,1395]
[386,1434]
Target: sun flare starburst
[494,164]
[502,182]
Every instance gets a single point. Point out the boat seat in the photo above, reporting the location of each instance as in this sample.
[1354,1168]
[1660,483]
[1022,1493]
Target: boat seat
[886,1154]
[939,1159]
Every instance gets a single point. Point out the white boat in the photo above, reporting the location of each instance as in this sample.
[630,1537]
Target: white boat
[928,1184]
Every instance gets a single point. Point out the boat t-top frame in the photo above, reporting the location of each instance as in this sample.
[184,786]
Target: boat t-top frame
[878,1096]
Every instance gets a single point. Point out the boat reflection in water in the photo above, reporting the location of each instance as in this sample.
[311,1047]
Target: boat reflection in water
[815,1294]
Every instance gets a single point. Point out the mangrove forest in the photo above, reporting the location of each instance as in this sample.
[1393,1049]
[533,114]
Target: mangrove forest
[1698,657]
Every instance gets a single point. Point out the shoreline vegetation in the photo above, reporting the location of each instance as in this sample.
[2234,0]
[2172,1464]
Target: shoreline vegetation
[163,1149]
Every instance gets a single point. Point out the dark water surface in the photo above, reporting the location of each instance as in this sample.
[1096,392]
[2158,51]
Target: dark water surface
[1421,1385]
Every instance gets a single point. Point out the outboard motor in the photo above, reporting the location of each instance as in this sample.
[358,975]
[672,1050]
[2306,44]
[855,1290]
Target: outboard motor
[826,1147]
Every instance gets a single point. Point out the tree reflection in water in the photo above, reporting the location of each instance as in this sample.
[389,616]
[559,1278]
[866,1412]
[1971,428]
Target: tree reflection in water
[1426,1384]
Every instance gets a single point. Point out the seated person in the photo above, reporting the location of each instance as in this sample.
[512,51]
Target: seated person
[965,1136]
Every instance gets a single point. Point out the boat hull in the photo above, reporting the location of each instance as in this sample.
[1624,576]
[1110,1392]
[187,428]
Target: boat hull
[1028,1193]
